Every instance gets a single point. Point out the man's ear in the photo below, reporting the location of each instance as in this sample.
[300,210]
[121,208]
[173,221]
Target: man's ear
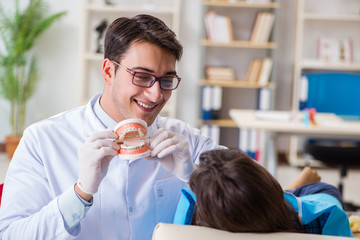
[108,71]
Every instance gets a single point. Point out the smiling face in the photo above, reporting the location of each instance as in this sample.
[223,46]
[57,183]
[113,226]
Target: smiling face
[121,98]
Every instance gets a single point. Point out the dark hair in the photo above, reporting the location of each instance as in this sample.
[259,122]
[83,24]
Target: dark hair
[236,194]
[123,32]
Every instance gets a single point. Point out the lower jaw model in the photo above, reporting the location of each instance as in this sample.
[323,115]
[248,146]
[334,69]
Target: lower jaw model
[132,133]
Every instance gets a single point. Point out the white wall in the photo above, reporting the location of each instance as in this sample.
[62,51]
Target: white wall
[58,53]
[58,58]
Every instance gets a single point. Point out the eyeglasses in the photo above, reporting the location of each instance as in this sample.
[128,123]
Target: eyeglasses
[146,80]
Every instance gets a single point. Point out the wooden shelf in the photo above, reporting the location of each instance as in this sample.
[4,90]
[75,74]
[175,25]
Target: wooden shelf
[235,84]
[116,8]
[318,65]
[331,17]
[240,4]
[239,44]
[219,122]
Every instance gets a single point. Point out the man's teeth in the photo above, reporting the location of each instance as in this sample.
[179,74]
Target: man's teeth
[145,105]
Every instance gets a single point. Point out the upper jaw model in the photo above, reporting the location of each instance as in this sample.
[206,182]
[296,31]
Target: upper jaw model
[132,133]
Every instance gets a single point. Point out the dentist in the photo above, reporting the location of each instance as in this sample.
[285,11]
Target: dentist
[65,180]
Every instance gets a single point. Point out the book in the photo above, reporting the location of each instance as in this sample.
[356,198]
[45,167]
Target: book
[210,25]
[243,140]
[216,96]
[256,27]
[264,99]
[248,72]
[218,28]
[211,131]
[215,133]
[206,103]
[262,28]
[255,67]
[211,102]
[266,29]
[265,71]
[260,145]
[252,144]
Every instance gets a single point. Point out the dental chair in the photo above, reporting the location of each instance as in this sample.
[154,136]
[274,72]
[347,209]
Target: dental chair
[164,231]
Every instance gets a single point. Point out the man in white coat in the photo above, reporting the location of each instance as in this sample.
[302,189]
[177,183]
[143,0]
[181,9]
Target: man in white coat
[66,181]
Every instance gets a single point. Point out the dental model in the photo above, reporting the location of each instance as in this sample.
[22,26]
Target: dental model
[132,139]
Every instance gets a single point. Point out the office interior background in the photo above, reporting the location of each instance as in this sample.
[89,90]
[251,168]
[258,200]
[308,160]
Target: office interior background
[58,51]
[60,60]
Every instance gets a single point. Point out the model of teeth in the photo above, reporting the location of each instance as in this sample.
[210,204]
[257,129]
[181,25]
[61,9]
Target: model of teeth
[132,133]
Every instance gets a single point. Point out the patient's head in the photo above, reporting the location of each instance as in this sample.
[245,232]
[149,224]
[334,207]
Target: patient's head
[236,194]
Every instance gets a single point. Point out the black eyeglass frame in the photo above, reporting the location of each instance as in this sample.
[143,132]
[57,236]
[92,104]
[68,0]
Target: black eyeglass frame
[133,73]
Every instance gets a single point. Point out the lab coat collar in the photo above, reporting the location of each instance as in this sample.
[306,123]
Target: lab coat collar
[93,122]
[105,119]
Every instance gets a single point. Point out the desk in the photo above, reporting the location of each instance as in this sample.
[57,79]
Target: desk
[282,122]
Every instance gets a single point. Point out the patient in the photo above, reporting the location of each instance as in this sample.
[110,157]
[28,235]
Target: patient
[234,193]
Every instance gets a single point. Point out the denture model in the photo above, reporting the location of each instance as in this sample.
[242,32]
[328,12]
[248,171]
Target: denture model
[132,139]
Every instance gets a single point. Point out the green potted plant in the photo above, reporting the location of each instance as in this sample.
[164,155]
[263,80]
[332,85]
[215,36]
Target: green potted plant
[19,30]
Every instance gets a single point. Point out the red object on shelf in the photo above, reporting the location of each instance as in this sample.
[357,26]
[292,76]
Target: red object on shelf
[1,189]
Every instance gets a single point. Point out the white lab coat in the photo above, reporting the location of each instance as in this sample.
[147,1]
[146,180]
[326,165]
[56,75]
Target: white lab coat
[132,198]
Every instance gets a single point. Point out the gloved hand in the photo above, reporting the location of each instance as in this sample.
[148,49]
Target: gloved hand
[173,152]
[94,157]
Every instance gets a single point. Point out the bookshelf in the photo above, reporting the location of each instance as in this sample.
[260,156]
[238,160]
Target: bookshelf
[95,12]
[312,22]
[237,52]
[240,44]
[234,84]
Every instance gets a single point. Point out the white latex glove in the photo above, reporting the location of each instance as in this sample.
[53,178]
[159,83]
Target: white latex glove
[94,157]
[173,152]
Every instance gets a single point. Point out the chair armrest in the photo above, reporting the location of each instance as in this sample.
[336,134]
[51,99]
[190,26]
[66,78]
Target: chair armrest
[164,231]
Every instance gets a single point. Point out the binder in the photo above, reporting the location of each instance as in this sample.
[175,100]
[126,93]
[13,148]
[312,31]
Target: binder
[264,99]
[243,140]
[216,96]
[206,103]
[211,131]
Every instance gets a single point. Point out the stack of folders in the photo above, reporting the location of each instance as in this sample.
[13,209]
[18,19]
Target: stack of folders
[211,102]
[264,99]
[211,131]
[218,28]
[219,73]
[259,71]
[251,141]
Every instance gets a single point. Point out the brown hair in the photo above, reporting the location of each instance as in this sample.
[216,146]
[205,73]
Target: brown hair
[236,194]
[123,32]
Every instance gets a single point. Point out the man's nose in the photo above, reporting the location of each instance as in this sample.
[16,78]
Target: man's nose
[154,93]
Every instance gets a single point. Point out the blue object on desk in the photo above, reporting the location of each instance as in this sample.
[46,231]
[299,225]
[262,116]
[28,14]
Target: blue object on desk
[337,93]
[306,118]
